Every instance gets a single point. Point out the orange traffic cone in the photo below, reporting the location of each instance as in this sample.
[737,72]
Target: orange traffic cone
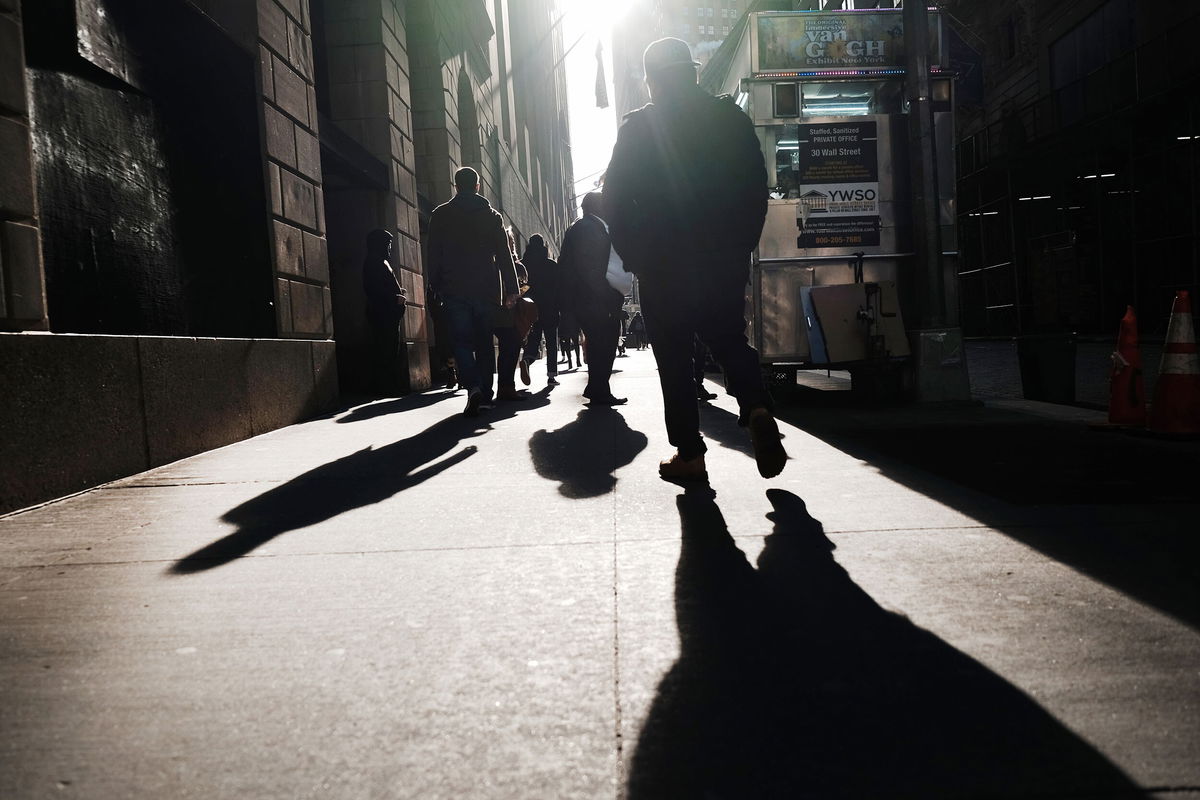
[1176,407]
[1127,388]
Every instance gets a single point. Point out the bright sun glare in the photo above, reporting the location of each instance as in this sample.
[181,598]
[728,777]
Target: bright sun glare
[597,14]
[593,130]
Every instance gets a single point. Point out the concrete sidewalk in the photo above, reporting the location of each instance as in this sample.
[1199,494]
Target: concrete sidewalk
[401,602]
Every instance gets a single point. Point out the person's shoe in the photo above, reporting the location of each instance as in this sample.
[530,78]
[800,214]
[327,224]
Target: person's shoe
[768,445]
[474,401]
[552,381]
[705,394]
[523,366]
[609,401]
[677,468]
[511,393]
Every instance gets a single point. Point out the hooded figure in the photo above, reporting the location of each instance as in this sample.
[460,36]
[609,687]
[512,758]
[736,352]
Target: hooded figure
[385,302]
[385,296]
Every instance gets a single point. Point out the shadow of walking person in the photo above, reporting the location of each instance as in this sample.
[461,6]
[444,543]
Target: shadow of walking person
[379,408]
[582,455]
[792,682]
[359,479]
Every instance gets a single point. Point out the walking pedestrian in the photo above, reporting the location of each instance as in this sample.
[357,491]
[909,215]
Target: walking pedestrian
[597,305]
[509,340]
[568,336]
[546,290]
[686,196]
[385,303]
[637,331]
[471,270]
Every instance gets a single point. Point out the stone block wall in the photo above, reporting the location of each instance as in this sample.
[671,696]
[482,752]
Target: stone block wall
[370,89]
[479,71]
[22,285]
[81,410]
[299,250]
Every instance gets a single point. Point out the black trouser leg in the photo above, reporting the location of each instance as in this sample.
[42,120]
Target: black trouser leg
[670,325]
[509,354]
[602,332]
[722,327]
[551,333]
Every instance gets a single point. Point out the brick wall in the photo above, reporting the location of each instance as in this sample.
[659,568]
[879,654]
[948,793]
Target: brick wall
[512,108]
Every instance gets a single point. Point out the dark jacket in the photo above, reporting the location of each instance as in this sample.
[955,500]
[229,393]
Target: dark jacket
[686,177]
[545,282]
[584,258]
[379,281]
[468,251]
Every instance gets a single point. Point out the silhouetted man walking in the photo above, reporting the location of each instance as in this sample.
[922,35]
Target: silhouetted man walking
[471,269]
[686,198]
[597,305]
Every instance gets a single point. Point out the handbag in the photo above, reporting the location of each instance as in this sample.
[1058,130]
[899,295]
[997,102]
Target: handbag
[525,313]
[616,275]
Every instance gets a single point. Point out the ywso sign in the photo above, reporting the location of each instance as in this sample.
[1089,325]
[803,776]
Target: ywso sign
[839,185]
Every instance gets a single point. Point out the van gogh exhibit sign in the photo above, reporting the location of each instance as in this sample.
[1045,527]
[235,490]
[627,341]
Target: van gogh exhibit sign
[818,40]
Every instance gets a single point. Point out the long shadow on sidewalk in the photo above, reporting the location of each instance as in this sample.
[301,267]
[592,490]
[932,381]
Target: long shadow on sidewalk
[370,409]
[1121,509]
[583,454]
[792,682]
[359,479]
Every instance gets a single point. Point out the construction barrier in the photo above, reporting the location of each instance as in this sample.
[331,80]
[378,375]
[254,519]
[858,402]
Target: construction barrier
[1127,386]
[1176,406]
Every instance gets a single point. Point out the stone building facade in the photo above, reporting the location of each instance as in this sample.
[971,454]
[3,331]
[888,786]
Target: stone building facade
[185,191]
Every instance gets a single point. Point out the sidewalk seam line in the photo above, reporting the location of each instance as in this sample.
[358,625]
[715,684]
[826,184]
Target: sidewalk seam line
[617,719]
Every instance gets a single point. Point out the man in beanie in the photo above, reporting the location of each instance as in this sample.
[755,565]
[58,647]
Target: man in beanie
[686,198]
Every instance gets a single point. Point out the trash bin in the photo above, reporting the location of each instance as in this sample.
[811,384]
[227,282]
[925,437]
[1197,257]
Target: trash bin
[1047,363]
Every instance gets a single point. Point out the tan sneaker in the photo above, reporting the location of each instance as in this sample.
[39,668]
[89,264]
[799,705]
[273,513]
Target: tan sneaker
[683,469]
[768,445]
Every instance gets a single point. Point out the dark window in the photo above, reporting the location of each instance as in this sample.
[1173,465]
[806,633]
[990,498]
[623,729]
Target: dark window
[1010,37]
[787,100]
[1100,38]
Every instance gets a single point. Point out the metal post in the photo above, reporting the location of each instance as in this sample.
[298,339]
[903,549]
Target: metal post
[939,354]
[927,236]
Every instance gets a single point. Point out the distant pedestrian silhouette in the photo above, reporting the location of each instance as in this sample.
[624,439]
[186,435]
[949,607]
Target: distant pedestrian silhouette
[596,304]
[547,290]
[471,272]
